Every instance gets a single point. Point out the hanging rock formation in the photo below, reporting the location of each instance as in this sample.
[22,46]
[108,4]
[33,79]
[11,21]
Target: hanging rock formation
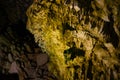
[80,37]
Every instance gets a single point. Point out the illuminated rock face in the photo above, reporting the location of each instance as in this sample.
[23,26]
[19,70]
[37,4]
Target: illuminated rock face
[75,38]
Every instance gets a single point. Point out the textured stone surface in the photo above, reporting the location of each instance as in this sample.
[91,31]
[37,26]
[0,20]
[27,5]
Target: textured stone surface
[16,43]
[81,39]
[79,36]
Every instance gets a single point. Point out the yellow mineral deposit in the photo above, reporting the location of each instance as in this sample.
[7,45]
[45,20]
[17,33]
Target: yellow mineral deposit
[71,38]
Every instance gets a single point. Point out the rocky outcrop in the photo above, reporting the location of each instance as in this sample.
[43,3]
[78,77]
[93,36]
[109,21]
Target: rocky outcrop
[78,37]
[81,39]
[17,44]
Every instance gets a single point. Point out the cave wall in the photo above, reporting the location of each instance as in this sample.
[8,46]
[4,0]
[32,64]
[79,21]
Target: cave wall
[17,44]
[13,23]
[15,10]
[80,37]
[74,33]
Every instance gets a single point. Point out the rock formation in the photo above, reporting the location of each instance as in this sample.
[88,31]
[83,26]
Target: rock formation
[17,43]
[80,37]
[67,39]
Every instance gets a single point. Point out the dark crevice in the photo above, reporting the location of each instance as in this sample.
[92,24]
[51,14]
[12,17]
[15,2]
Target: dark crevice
[89,71]
[74,52]
[109,31]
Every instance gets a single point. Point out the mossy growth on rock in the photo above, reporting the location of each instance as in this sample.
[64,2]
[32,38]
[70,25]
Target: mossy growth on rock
[74,35]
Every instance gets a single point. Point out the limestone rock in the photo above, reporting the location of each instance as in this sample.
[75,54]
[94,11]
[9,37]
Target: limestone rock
[75,39]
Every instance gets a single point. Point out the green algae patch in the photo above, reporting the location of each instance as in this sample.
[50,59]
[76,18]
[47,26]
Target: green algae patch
[70,33]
